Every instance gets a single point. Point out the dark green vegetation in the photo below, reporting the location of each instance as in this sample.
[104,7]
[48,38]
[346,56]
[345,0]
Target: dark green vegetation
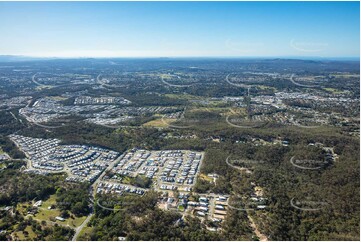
[9,125]
[19,188]
[141,181]
[73,198]
[25,226]
[10,148]
[332,189]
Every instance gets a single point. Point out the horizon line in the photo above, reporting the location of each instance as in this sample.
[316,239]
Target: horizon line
[177,57]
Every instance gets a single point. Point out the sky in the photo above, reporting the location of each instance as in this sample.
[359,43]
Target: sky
[180,29]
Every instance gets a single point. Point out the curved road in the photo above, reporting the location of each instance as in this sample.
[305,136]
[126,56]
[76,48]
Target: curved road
[37,83]
[41,125]
[237,85]
[237,167]
[298,84]
[103,84]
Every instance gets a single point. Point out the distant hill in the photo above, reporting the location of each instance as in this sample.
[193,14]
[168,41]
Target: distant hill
[15,58]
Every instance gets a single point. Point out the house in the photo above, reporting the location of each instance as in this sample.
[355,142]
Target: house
[60,218]
[203,209]
[201,214]
[221,199]
[203,199]
[220,207]
[261,206]
[203,204]
[38,204]
[193,203]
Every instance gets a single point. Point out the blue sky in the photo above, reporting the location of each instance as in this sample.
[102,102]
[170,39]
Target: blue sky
[147,29]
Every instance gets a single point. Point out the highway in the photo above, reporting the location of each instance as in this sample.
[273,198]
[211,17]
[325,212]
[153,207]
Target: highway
[37,83]
[237,85]
[298,84]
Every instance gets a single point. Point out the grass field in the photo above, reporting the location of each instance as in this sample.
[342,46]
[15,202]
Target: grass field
[31,234]
[333,90]
[161,123]
[205,177]
[46,214]
[262,87]
[209,109]
[183,96]
[236,111]
[39,88]
[49,215]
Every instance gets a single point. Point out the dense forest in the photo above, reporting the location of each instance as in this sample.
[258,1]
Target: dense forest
[18,187]
[74,198]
